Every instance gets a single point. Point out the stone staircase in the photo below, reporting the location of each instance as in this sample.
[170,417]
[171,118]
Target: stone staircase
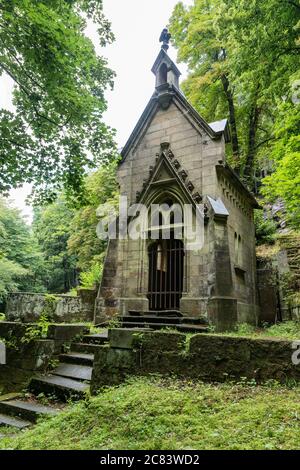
[167,319]
[69,380]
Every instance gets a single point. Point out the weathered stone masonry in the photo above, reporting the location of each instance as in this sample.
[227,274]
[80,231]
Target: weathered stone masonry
[173,154]
[204,357]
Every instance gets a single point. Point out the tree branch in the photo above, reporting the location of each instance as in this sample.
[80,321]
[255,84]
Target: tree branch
[42,116]
[23,70]
[294,4]
[17,144]
[264,142]
[14,78]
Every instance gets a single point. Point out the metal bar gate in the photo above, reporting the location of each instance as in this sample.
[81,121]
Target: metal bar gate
[166,269]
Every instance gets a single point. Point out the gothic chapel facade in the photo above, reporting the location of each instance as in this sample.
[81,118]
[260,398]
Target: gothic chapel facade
[174,156]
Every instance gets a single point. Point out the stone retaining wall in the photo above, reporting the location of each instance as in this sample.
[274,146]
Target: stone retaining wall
[28,307]
[25,359]
[204,357]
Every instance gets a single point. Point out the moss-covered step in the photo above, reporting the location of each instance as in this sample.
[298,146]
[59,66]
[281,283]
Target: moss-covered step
[60,387]
[26,410]
[13,422]
[74,371]
[84,359]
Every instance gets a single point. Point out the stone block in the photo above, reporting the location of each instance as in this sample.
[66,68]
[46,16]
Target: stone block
[219,348]
[12,329]
[111,366]
[222,313]
[162,341]
[124,338]
[66,332]
[32,356]
[163,362]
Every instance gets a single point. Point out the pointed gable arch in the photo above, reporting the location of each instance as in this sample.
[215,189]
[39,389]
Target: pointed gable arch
[168,177]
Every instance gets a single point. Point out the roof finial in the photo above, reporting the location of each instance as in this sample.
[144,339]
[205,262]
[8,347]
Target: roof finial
[165,39]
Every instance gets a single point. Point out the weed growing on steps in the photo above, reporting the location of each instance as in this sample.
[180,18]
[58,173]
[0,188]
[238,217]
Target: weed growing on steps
[38,330]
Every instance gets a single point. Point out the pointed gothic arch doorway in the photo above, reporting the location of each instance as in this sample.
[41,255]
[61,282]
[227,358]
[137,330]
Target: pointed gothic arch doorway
[166,271]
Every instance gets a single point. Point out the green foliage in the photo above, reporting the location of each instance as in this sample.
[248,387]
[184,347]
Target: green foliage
[21,263]
[157,414]
[265,228]
[38,330]
[289,330]
[284,183]
[114,323]
[61,248]
[67,235]
[53,225]
[56,133]
[241,55]
[11,275]
[101,190]
[2,316]
[90,279]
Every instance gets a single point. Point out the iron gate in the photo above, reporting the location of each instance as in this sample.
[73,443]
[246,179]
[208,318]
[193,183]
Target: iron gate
[166,270]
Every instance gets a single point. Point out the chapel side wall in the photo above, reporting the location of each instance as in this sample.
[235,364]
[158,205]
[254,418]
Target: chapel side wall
[241,222]
[213,153]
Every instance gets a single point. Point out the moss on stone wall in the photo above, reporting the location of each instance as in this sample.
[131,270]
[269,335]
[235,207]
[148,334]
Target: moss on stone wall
[205,357]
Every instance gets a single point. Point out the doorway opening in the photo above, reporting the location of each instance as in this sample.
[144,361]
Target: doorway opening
[166,271]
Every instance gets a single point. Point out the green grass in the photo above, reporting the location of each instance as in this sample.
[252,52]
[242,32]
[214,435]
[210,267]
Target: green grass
[170,414]
[286,330]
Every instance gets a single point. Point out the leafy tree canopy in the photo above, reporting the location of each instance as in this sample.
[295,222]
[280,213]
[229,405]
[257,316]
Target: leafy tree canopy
[21,262]
[284,182]
[67,236]
[53,225]
[56,133]
[83,242]
[241,55]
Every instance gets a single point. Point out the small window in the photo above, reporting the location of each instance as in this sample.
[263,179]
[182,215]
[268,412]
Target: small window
[237,249]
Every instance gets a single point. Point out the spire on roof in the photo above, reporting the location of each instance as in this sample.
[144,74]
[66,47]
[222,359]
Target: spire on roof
[166,72]
[165,39]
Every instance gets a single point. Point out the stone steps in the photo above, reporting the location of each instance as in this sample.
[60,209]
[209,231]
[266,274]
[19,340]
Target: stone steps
[26,410]
[162,319]
[158,326]
[74,371]
[189,328]
[84,348]
[10,421]
[84,359]
[61,387]
[156,313]
[97,338]
[69,380]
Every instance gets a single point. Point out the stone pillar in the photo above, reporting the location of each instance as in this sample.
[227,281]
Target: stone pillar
[108,301]
[222,306]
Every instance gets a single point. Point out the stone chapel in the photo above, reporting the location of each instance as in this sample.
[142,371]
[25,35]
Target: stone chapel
[174,156]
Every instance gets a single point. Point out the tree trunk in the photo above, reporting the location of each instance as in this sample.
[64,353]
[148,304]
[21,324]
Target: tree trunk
[251,150]
[232,121]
